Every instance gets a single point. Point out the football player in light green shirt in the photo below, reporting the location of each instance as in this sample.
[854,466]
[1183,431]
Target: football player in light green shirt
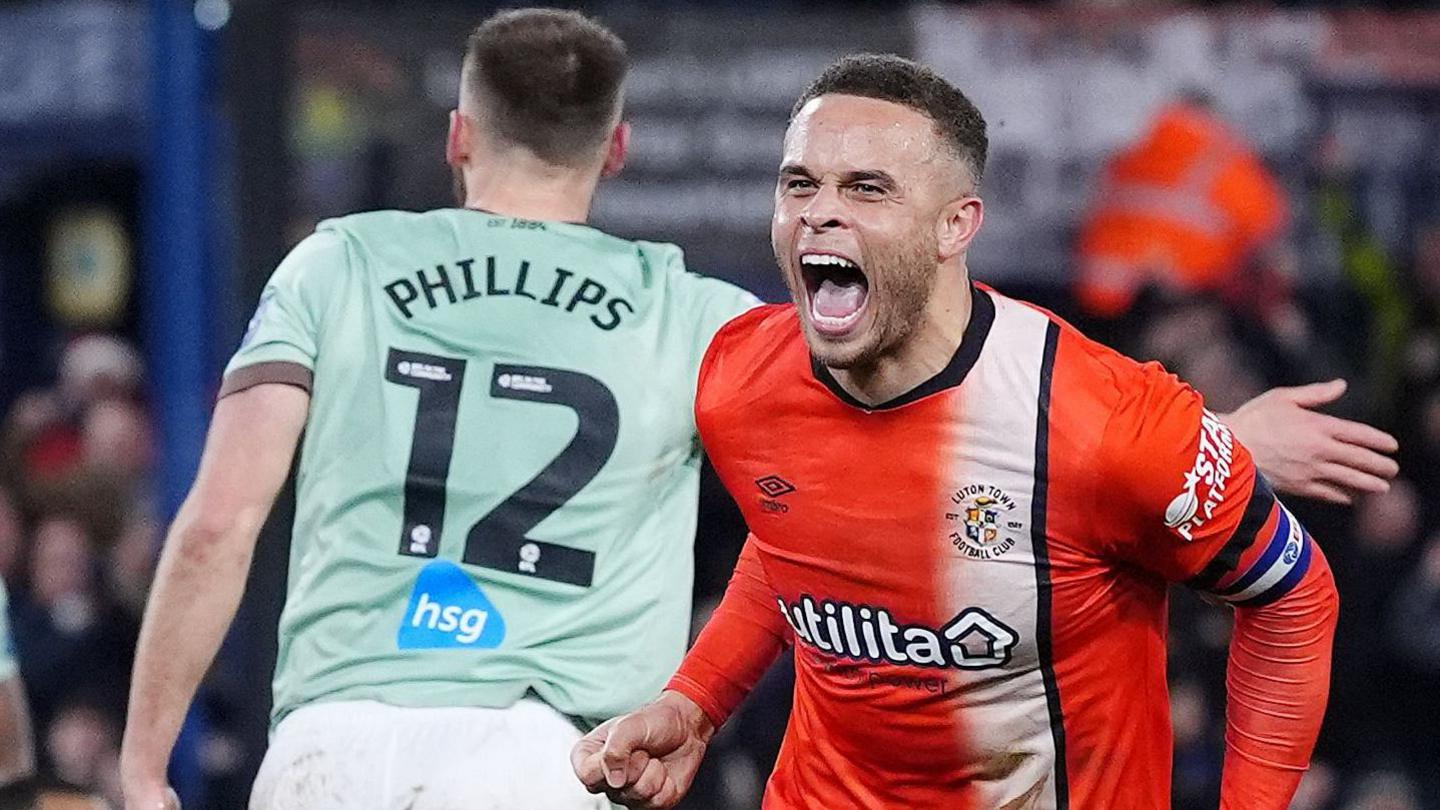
[497,491]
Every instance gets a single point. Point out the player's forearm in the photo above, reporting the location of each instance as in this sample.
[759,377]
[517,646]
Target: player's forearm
[196,592]
[1279,680]
[17,753]
[742,639]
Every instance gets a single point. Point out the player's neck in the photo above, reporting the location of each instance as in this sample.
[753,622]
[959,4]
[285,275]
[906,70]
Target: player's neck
[516,186]
[921,355]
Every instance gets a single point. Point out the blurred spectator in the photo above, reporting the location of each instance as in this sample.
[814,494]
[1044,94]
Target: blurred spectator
[1195,342]
[1317,788]
[10,539]
[43,435]
[1184,210]
[1197,757]
[1415,621]
[40,447]
[1386,524]
[82,744]
[70,637]
[1369,684]
[1381,300]
[96,367]
[1414,631]
[1383,790]
[115,438]
[130,562]
[85,447]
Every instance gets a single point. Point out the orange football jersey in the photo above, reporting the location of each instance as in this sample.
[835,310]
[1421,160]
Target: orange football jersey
[974,575]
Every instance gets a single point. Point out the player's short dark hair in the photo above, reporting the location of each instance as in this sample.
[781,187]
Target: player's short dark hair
[549,80]
[898,80]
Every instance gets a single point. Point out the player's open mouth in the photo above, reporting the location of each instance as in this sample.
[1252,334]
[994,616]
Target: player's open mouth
[836,291]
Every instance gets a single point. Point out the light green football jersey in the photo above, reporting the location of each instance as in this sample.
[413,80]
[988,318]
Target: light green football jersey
[8,667]
[497,489]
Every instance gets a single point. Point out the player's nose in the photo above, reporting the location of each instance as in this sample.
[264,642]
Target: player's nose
[824,209]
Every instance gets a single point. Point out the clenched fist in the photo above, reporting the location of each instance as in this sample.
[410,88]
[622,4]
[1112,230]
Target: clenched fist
[646,759]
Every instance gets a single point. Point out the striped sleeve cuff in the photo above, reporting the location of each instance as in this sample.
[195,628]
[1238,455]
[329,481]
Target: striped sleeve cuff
[1255,518]
[1275,565]
[273,371]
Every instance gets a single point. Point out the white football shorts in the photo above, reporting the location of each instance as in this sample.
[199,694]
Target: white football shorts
[348,755]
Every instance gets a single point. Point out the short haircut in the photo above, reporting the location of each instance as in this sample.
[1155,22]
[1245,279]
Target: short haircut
[548,80]
[898,80]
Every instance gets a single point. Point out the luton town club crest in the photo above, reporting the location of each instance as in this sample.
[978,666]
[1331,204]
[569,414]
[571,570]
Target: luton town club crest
[982,521]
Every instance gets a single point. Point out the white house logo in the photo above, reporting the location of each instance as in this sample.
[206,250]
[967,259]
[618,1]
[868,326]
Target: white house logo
[982,521]
[1203,490]
[974,639]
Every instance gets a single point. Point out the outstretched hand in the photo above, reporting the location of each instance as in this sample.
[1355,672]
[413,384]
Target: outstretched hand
[1314,455]
[647,759]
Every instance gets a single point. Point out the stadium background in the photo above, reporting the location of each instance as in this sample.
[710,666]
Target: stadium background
[158,158]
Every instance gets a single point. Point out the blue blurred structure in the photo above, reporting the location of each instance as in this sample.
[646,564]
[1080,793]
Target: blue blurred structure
[182,262]
[180,250]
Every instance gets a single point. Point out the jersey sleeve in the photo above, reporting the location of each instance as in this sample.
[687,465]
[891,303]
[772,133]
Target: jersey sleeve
[716,303]
[282,339]
[1185,501]
[744,636]
[1278,682]
[704,304]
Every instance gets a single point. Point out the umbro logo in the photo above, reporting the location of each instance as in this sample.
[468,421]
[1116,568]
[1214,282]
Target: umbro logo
[772,487]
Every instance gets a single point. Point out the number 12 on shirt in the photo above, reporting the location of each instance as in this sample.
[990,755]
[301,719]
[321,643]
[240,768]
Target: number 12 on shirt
[498,540]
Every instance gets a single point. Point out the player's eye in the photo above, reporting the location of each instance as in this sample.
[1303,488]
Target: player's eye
[797,184]
[868,190]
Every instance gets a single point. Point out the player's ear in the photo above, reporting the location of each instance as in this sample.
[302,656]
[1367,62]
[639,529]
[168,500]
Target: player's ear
[457,141]
[616,151]
[959,221]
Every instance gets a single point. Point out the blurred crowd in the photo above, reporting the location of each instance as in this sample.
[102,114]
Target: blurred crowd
[78,534]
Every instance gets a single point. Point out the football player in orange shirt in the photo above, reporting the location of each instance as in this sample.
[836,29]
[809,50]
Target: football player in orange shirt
[964,515]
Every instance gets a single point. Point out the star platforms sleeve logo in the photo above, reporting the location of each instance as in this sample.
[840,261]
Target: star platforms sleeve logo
[1203,489]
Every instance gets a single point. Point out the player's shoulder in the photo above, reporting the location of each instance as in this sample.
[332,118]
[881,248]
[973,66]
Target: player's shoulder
[321,258]
[758,330]
[664,265]
[755,354]
[1090,379]
[385,223]
[1083,361]
[744,348]
[664,257]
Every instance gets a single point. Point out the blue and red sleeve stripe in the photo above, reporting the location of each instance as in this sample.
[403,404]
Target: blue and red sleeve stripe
[1259,564]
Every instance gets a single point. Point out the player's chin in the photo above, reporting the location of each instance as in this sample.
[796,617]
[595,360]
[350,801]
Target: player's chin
[840,349]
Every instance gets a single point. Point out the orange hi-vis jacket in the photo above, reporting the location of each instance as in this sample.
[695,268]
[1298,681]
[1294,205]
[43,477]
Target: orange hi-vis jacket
[1183,208]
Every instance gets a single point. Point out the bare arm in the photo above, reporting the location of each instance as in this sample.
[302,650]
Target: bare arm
[17,752]
[202,573]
